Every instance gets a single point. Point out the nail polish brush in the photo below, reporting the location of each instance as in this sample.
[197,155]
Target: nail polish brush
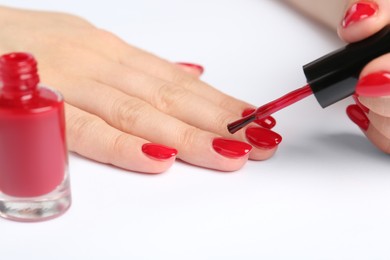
[330,78]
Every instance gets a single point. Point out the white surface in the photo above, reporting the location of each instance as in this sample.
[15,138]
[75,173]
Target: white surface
[325,195]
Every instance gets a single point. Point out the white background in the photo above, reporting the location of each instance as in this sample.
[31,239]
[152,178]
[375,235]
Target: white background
[324,195]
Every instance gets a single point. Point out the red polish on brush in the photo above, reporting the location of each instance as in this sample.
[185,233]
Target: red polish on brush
[330,78]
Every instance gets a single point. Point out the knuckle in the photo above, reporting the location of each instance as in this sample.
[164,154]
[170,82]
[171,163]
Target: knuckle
[79,127]
[126,113]
[186,137]
[183,80]
[227,103]
[167,97]
[108,37]
[117,147]
[223,118]
[70,18]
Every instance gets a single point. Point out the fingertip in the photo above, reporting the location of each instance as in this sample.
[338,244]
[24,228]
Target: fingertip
[230,154]
[191,68]
[363,19]
[357,115]
[263,154]
[216,153]
[142,163]
[372,125]
[133,154]
[162,156]
[375,84]
[269,122]
[156,167]
[264,140]
[158,151]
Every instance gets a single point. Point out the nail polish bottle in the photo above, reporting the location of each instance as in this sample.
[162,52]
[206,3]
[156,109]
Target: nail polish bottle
[34,181]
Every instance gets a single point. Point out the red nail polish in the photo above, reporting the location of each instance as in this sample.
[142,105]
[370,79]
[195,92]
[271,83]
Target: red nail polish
[356,114]
[269,122]
[197,67]
[231,148]
[374,85]
[262,137]
[359,11]
[357,101]
[158,151]
[34,183]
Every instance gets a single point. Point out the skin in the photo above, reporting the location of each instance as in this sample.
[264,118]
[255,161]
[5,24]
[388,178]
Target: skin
[328,12]
[106,104]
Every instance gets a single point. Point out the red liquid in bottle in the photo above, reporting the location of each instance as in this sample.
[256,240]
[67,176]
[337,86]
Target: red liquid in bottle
[33,154]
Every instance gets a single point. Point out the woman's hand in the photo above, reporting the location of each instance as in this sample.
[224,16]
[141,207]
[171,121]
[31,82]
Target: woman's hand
[361,19]
[372,110]
[120,99]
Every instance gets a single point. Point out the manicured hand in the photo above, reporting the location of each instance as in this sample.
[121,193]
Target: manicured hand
[372,109]
[129,108]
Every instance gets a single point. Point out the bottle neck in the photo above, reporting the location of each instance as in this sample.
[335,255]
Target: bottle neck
[18,76]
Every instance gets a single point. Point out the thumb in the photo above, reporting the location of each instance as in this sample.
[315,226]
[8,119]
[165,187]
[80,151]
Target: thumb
[363,18]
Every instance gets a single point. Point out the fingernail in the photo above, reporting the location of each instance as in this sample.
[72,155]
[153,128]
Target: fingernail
[357,101]
[231,148]
[193,66]
[357,115]
[262,137]
[269,122]
[359,11]
[158,151]
[374,85]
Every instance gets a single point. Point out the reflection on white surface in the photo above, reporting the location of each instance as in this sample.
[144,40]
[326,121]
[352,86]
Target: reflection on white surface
[325,195]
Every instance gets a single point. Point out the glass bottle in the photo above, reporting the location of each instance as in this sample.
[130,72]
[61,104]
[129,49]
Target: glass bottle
[34,181]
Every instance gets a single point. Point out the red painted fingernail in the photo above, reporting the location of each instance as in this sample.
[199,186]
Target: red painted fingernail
[357,115]
[197,67]
[359,11]
[269,122]
[357,101]
[158,151]
[231,148]
[374,85]
[262,137]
